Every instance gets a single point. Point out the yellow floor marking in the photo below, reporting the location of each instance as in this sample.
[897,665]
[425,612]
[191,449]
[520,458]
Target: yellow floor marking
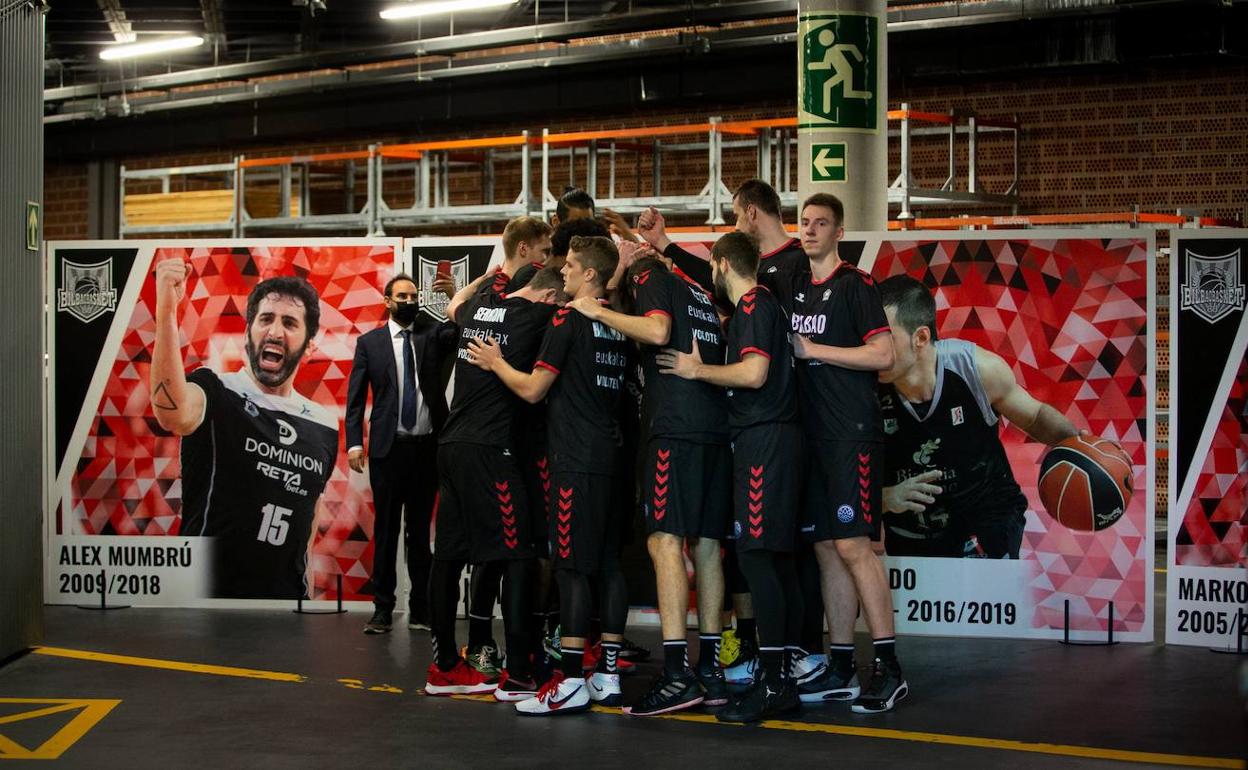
[170,665]
[90,712]
[1057,749]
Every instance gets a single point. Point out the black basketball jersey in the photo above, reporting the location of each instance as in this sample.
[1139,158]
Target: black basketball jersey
[842,310]
[759,325]
[672,406]
[956,433]
[776,267]
[590,359]
[482,408]
[251,475]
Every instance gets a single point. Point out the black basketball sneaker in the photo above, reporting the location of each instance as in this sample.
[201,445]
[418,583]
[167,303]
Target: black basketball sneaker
[669,693]
[713,683]
[762,701]
[885,688]
[831,685]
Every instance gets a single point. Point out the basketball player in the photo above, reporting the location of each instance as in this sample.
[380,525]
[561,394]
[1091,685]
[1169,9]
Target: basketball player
[686,483]
[526,241]
[483,515]
[841,341]
[952,492]
[756,206]
[581,366]
[766,450]
[255,453]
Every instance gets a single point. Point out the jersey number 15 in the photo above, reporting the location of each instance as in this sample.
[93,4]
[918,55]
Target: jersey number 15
[274,527]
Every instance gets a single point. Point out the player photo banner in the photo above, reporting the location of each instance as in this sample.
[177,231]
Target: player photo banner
[1207,578]
[258,501]
[1071,314]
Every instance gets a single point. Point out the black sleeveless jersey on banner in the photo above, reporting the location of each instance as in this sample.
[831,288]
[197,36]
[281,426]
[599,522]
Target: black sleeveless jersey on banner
[759,325]
[843,310]
[672,406]
[482,408]
[251,475]
[589,358]
[957,432]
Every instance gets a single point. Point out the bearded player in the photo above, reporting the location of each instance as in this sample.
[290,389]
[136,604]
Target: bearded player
[255,453]
[952,491]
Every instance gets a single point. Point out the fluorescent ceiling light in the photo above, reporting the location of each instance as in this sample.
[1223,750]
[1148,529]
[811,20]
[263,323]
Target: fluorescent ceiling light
[416,10]
[131,50]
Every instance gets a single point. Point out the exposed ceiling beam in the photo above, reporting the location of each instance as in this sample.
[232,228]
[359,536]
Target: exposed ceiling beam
[118,24]
[449,45]
[214,23]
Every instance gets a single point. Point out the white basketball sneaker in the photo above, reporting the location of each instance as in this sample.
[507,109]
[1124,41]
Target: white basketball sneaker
[557,696]
[605,689]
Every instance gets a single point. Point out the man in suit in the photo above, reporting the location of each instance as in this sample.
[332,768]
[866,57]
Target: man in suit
[403,364]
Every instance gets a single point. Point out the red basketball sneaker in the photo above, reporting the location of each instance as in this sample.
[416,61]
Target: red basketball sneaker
[460,680]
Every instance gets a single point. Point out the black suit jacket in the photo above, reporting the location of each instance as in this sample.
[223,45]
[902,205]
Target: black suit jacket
[374,367]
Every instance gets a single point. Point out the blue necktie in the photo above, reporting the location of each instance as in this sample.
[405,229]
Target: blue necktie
[408,416]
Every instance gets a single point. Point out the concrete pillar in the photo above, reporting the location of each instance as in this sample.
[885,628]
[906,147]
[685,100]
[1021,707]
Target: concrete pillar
[842,104]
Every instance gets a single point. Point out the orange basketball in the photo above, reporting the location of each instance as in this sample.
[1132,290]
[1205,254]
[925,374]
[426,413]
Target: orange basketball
[1086,482]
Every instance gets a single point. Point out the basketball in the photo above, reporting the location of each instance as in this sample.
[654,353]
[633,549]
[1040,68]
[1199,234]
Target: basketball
[1086,482]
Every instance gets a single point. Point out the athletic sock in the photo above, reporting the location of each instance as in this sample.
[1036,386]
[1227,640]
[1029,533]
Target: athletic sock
[746,629]
[675,656]
[885,649]
[573,659]
[841,658]
[445,654]
[480,631]
[708,651]
[609,659]
[791,654]
[772,660]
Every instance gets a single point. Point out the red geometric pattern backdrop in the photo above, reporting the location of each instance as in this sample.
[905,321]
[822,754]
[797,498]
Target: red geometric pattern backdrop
[1070,316]
[127,481]
[1215,525]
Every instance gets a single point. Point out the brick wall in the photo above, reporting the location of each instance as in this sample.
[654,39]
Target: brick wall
[1159,139]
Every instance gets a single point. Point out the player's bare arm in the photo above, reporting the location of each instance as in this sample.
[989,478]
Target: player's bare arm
[530,386]
[874,355]
[750,372]
[178,405]
[653,329]
[1010,400]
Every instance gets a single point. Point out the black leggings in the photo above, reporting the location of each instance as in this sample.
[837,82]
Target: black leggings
[576,599]
[517,577]
[777,596]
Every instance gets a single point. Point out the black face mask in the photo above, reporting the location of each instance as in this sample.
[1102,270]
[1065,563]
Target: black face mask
[404,313]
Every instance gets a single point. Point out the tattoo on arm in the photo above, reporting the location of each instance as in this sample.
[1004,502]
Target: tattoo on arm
[161,399]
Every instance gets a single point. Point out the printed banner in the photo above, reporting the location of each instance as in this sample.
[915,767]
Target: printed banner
[1071,313]
[464,259]
[257,502]
[1207,577]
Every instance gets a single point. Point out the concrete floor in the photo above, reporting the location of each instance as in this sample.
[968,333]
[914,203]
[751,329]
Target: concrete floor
[1137,698]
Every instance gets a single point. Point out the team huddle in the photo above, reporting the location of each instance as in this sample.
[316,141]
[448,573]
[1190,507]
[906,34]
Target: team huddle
[769,413]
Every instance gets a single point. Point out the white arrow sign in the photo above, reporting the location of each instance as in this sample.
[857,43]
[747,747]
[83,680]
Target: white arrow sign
[825,164]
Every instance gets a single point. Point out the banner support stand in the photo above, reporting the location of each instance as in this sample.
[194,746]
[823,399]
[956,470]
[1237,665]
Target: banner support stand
[104,605]
[1241,630]
[1109,637]
[299,610]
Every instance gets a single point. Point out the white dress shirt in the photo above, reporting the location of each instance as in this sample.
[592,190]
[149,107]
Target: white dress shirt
[424,424]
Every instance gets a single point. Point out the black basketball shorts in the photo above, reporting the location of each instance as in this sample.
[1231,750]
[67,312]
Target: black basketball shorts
[767,492]
[483,511]
[842,490]
[687,488]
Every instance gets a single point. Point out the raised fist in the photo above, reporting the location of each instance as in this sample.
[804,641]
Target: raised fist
[171,275]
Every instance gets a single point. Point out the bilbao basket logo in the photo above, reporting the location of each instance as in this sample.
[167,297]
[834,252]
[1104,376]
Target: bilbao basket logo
[435,302]
[1213,289]
[87,290]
